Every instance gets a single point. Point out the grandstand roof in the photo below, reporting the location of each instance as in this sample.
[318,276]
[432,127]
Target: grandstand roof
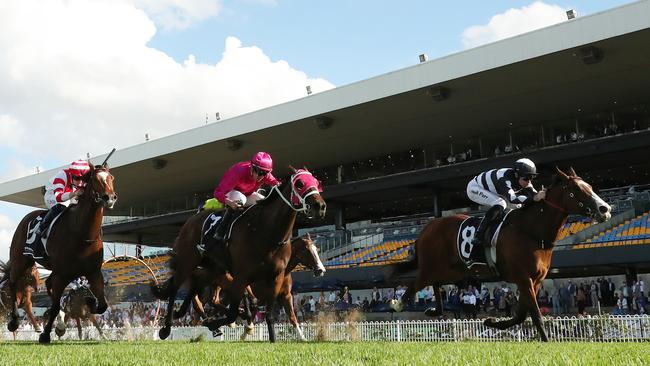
[490,86]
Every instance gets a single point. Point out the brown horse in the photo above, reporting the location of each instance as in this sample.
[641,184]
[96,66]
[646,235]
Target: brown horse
[27,284]
[524,246]
[76,307]
[256,247]
[304,252]
[74,245]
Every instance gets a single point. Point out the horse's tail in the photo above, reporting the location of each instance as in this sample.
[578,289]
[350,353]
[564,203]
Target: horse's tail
[161,291]
[403,267]
[5,270]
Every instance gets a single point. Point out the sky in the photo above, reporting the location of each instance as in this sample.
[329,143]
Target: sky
[79,77]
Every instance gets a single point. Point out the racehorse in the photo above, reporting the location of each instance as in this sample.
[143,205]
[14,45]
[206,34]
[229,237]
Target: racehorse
[524,247]
[303,252]
[74,246]
[76,307]
[27,284]
[257,246]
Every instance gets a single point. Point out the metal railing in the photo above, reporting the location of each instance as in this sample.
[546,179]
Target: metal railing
[609,328]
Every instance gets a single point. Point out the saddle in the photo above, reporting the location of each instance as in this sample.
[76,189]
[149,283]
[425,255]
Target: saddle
[36,247]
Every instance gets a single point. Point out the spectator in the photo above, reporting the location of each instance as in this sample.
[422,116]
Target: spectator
[557,305]
[581,298]
[621,305]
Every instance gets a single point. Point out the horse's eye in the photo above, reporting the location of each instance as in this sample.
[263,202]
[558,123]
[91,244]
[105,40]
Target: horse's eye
[299,184]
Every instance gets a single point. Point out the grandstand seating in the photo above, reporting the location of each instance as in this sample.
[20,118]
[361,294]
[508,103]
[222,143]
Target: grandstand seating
[630,232]
[574,225]
[383,253]
[129,272]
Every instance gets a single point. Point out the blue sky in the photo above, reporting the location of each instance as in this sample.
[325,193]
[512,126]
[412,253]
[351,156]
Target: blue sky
[70,76]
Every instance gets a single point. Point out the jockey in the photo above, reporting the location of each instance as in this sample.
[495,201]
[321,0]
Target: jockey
[79,282]
[61,190]
[499,188]
[238,189]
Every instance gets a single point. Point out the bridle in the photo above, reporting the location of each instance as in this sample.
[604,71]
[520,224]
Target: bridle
[298,202]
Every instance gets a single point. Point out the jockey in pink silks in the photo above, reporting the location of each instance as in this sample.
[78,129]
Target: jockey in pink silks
[238,189]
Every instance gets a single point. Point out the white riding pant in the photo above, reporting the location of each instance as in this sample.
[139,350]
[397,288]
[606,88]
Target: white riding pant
[484,197]
[245,201]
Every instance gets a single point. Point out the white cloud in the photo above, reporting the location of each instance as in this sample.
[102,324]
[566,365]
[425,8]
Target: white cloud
[7,228]
[179,14]
[78,76]
[513,22]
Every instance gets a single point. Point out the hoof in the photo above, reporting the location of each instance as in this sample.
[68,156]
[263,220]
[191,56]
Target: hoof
[489,322]
[59,331]
[432,312]
[44,338]
[12,325]
[163,333]
[217,333]
[232,325]
[396,305]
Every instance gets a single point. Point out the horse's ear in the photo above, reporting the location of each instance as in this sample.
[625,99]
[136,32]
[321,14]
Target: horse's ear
[572,172]
[293,170]
[561,174]
[308,237]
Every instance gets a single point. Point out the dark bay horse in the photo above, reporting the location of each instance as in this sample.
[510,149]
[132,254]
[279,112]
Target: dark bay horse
[74,245]
[524,246]
[27,284]
[76,307]
[303,252]
[257,245]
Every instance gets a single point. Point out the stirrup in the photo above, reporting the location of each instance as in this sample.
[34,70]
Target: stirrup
[201,249]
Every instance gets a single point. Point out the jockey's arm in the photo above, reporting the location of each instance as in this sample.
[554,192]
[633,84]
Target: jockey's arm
[227,184]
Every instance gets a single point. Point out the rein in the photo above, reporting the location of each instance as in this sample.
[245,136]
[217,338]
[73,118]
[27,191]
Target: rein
[554,205]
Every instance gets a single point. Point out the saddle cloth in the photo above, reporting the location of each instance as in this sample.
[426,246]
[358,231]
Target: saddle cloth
[466,234]
[37,247]
[209,227]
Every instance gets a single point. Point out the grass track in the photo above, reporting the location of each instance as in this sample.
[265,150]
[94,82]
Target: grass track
[298,354]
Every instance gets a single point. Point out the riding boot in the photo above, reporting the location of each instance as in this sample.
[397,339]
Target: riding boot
[491,216]
[41,229]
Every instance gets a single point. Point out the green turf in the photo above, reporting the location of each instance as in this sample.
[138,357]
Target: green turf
[298,354]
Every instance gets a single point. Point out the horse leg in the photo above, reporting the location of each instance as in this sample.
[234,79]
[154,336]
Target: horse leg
[198,307]
[96,282]
[193,292]
[287,303]
[235,294]
[438,309]
[30,314]
[58,285]
[78,320]
[536,315]
[248,316]
[93,319]
[270,319]
[18,268]
[164,332]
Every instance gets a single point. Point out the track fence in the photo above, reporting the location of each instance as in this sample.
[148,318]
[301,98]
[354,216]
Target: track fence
[610,328]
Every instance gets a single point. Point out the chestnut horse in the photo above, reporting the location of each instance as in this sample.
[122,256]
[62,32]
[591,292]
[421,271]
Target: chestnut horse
[74,245]
[524,247]
[27,284]
[304,252]
[257,246]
